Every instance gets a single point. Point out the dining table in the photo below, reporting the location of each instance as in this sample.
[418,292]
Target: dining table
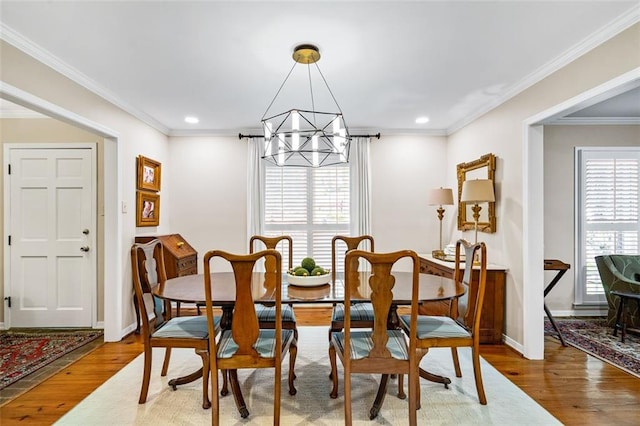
[190,289]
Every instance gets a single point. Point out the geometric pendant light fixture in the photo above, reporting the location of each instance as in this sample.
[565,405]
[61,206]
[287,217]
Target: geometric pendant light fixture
[304,136]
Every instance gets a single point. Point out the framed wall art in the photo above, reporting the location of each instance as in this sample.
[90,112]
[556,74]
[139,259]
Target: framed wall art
[147,209]
[149,174]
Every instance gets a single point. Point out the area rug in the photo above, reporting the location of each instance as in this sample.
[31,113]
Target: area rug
[23,352]
[116,401]
[596,338]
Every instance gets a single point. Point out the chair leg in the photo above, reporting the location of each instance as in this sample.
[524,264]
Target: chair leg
[165,363]
[401,394]
[215,403]
[456,361]
[204,354]
[334,372]
[414,379]
[146,375]
[475,354]
[333,328]
[293,353]
[225,383]
[277,385]
[347,395]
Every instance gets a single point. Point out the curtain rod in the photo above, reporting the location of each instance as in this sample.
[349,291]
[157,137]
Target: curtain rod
[377,136]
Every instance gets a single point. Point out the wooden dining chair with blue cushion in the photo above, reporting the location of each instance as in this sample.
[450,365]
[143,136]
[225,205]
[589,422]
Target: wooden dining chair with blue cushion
[245,344]
[361,312]
[463,331]
[379,350]
[147,265]
[266,313]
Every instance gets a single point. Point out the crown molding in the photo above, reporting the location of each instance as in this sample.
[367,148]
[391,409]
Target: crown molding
[609,31]
[22,114]
[37,52]
[596,121]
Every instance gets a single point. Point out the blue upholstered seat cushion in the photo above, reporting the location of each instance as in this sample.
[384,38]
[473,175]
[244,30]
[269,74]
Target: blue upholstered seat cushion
[435,326]
[265,345]
[358,312]
[268,313]
[361,343]
[194,327]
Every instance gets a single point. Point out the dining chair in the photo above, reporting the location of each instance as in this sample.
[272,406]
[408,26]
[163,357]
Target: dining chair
[245,344]
[361,312]
[380,349]
[148,270]
[266,312]
[464,330]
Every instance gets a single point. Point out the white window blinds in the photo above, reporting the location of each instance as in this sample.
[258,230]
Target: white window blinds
[608,210]
[309,204]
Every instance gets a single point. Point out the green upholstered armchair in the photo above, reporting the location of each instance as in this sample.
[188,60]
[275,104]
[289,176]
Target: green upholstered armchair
[620,272]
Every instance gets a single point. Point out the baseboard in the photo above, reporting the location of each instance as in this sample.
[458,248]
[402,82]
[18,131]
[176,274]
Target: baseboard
[99,325]
[513,344]
[2,326]
[592,312]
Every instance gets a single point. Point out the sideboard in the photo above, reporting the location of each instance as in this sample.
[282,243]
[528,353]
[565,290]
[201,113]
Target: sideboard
[492,321]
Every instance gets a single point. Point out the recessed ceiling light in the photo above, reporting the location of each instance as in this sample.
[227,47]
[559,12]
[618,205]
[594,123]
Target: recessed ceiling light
[192,120]
[422,120]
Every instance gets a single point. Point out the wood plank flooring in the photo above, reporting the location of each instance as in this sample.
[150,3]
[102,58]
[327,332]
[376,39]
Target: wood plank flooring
[576,388]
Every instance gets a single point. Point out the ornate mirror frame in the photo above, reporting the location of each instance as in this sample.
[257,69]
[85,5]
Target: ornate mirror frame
[476,168]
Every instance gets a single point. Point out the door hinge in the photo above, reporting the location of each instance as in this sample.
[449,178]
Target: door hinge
[9,239]
[8,299]
[9,168]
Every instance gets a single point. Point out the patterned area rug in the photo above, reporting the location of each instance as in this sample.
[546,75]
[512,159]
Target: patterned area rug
[25,351]
[596,338]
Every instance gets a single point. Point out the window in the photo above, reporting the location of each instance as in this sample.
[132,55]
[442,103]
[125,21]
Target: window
[608,215]
[309,204]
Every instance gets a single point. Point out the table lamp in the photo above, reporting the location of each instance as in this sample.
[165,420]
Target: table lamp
[440,197]
[477,191]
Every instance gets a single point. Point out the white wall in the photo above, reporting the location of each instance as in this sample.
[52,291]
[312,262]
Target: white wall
[559,197]
[209,192]
[133,138]
[501,131]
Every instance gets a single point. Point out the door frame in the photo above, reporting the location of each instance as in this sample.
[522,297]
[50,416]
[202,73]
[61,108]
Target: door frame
[7,208]
[111,246]
[533,204]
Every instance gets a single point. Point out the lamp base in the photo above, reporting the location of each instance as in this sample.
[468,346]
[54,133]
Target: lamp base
[438,254]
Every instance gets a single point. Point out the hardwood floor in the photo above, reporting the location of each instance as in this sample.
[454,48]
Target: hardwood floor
[576,388]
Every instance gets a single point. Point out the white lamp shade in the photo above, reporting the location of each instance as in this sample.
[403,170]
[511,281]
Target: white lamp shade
[440,197]
[477,191]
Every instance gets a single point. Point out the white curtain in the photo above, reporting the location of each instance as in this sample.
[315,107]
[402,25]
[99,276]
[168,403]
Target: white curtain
[255,200]
[360,187]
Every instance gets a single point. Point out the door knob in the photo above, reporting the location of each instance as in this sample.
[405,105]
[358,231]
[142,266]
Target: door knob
[85,248]
[85,231]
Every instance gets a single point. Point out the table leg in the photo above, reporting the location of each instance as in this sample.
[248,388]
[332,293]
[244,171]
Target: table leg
[554,324]
[377,403]
[237,394]
[435,378]
[174,383]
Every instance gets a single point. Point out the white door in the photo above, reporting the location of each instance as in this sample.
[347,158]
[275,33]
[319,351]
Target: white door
[52,237]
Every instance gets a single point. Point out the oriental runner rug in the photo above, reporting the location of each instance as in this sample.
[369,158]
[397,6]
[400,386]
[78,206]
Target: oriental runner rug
[596,338]
[26,350]
[116,401]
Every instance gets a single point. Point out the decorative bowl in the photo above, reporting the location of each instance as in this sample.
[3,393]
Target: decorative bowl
[309,280]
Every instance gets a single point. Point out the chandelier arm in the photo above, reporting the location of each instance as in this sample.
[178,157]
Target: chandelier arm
[313,104]
[280,89]
[329,89]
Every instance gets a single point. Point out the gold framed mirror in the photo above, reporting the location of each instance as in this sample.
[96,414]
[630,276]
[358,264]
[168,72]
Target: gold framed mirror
[482,168]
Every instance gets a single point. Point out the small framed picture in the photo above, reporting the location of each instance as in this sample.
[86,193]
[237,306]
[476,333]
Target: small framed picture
[148,174]
[148,209]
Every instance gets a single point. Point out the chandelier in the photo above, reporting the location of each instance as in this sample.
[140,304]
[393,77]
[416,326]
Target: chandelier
[303,137]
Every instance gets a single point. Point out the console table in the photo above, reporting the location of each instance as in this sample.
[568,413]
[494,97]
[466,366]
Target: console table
[492,321]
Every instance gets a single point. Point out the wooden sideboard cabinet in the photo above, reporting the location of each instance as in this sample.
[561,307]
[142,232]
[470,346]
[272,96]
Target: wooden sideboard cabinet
[492,321]
[179,257]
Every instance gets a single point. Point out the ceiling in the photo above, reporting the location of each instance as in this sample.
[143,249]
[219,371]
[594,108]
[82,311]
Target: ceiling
[386,62]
